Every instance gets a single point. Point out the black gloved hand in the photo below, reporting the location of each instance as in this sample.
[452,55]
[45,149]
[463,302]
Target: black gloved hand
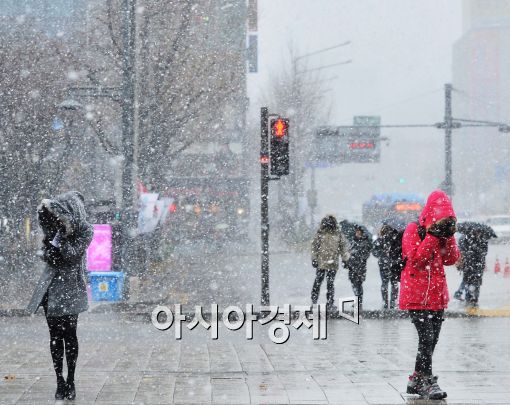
[52,255]
[315,264]
[48,222]
[444,228]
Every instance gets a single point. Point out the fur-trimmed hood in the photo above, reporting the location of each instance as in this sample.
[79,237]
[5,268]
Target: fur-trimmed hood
[69,208]
[67,235]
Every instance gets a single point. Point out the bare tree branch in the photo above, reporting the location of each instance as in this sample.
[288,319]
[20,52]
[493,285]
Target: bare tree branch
[107,145]
[115,44]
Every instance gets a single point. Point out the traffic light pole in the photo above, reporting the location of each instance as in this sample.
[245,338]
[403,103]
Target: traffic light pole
[264,207]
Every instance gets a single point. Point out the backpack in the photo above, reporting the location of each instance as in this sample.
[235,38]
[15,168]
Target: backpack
[422,232]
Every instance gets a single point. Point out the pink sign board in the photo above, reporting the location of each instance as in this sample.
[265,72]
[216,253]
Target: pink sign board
[99,253]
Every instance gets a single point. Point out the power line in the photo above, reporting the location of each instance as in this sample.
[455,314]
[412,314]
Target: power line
[389,126]
[490,123]
[324,67]
[321,51]
[439,125]
[403,101]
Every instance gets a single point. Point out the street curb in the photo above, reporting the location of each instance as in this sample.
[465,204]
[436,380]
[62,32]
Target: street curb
[146,308]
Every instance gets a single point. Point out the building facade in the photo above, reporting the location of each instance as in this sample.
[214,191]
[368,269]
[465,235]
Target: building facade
[481,81]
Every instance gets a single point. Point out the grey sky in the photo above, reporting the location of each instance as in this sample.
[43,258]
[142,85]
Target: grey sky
[400,49]
[401,52]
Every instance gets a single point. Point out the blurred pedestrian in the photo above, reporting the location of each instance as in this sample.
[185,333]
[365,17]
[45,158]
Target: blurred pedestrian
[474,247]
[360,246]
[459,294]
[61,290]
[427,247]
[388,250]
[329,244]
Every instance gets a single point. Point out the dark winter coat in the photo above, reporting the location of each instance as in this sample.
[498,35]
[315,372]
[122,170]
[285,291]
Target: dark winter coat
[423,282]
[63,221]
[473,250]
[388,250]
[360,248]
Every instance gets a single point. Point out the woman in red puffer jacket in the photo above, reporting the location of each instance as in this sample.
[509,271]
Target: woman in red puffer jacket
[427,246]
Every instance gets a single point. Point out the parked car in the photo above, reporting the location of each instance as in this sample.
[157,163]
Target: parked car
[501,225]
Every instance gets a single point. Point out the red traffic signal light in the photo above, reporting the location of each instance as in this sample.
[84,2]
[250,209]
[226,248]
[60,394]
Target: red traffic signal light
[279,146]
[279,127]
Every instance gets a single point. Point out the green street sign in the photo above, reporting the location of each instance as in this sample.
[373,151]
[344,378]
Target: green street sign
[367,120]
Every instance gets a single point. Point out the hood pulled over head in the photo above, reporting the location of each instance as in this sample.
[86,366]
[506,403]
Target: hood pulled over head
[69,209]
[438,207]
[329,223]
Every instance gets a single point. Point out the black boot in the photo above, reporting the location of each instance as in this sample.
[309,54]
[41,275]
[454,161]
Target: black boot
[70,390]
[425,386]
[60,393]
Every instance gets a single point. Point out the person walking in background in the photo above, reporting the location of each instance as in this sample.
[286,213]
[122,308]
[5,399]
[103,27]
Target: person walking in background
[428,246]
[458,295]
[474,247]
[388,251]
[328,245]
[360,248]
[61,290]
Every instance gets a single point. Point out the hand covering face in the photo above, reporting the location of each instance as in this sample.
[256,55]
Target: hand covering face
[443,228]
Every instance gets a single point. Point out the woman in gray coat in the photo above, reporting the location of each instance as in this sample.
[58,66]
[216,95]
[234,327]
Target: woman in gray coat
[61,290]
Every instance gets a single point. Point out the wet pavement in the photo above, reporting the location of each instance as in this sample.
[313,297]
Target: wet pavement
[123,361]
[233,278]
[230,275]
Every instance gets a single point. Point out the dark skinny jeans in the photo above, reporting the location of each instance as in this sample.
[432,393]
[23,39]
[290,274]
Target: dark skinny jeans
[428,325]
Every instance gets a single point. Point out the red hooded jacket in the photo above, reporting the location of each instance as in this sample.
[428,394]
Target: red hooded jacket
[423,282]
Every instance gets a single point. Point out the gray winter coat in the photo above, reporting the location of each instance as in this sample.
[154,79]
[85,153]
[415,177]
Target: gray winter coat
[327,248]
[63,278]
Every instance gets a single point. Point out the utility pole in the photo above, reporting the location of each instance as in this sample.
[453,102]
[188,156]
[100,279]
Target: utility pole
[313,198]
[448,121]
[264,209]
[128,133]
[297,173]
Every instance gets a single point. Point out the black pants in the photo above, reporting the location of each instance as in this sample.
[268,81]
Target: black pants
[472,293]
[472,284]
[62,334]
[472,279]
[428,325]
[388,281]
[357,288]
[319,277]
[461,290]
